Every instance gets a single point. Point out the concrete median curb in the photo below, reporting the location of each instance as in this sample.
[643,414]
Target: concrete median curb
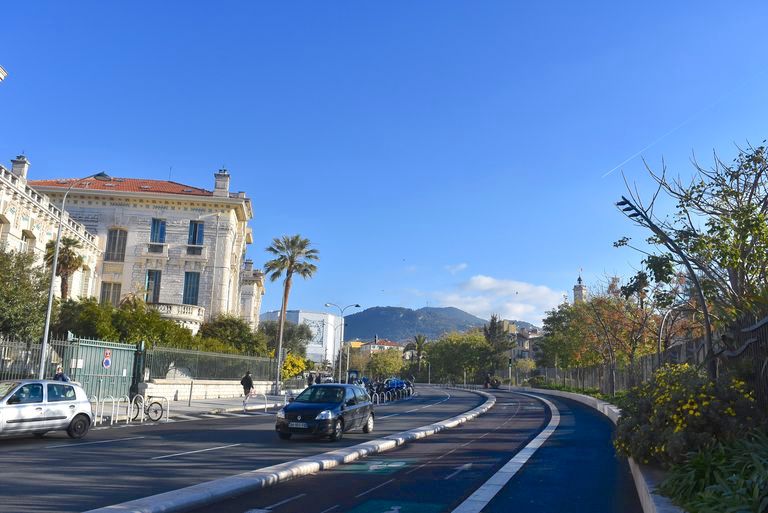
[202,494]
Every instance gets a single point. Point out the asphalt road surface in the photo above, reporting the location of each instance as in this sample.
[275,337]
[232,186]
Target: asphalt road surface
[574,471]
[120,464]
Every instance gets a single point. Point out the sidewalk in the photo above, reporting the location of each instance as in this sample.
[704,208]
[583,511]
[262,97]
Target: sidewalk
[185,409]
[230,405]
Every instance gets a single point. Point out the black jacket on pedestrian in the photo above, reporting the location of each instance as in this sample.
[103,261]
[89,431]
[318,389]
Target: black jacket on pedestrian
[247,383]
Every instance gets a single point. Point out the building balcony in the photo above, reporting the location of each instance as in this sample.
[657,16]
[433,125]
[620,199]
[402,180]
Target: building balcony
[189,316]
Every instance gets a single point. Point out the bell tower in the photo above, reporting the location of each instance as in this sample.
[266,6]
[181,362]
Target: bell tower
[579,291]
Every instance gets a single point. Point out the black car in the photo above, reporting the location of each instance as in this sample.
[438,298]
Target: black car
[326,410]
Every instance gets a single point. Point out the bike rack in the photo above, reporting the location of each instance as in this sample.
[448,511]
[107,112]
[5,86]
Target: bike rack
[100,418]
[138,402]
[265,400]
[116,409]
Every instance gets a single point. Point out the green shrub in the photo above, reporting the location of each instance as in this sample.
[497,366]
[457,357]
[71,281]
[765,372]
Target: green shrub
[723,477]
[680,411]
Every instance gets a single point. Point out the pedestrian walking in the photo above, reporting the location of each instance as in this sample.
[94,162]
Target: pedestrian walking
[310,379]
[247,383]
[60,376]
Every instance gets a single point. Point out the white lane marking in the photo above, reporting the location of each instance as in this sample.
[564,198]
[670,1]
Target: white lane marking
[372,489]
[330,509]
[483,495]
[466,466]
[388,416]
[286,501]
[258,511]
[417,468]
[194,452]
[80,444]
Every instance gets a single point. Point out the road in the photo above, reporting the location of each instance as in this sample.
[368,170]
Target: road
[119,464]
[574,471]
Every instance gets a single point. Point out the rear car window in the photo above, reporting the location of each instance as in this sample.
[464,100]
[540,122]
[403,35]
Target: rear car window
[362,396]
[58,392]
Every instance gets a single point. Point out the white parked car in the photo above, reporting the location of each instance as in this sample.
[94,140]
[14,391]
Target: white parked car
[38,406]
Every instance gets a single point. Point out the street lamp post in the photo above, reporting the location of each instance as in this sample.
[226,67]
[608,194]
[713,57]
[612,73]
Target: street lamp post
[46,329]
[341,338]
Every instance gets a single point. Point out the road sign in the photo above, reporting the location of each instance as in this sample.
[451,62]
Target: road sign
[106,363]
[107,353]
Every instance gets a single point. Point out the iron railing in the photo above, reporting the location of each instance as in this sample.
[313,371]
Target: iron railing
[20,359]
[172,363]
[743,350]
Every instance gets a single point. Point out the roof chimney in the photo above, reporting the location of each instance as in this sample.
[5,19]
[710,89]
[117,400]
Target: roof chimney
[222,183]
[249,265]
[20,166]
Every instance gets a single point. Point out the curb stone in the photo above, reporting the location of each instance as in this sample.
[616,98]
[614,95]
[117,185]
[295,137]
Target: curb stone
[646,478]
[202,494]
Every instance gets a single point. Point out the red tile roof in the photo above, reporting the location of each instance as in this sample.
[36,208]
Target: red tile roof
[125,185]
[383,342]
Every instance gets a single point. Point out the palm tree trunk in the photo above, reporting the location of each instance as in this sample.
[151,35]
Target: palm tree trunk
[64,287]
[281,329]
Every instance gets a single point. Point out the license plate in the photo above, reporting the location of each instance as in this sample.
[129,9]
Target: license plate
[298,425]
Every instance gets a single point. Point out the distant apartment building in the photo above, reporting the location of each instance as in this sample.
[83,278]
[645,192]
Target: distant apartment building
[326,332]
[28,220]
[178,247]
[379,345]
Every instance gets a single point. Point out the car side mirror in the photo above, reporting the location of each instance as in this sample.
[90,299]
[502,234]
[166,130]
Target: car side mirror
[291,399]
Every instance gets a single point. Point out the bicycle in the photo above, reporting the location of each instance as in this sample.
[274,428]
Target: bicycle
[153,410]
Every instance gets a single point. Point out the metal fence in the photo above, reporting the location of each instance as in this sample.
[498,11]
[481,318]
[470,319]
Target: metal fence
[20,359]
[746,352]
[171,363]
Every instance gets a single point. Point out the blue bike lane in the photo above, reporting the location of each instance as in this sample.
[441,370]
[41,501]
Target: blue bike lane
[576,470]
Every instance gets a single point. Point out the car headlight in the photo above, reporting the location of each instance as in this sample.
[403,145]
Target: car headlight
[325,415]
[281,413]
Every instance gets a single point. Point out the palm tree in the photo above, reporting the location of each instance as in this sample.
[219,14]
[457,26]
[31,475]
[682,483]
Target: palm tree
[420,343]
[68,262]
[292,256]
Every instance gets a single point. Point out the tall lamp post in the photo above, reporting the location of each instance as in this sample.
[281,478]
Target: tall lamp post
[341,338]
[46,329]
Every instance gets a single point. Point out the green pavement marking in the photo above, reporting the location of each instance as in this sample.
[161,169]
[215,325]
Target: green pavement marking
[397,507]
[374,466]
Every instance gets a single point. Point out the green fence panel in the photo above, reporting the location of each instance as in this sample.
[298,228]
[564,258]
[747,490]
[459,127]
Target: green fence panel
[103,368]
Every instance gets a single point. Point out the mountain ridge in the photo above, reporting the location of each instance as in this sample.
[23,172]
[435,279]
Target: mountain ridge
[400,324]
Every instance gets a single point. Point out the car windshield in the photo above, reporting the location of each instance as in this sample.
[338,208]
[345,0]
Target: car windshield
[6,387]
[321,395]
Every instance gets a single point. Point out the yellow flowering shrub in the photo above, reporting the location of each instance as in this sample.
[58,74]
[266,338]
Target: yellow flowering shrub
[680,411]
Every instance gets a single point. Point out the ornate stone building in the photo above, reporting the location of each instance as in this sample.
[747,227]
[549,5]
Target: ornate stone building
[28,220]
[178,247]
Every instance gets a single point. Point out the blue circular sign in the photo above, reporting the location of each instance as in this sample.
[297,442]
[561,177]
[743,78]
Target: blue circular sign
[106,363]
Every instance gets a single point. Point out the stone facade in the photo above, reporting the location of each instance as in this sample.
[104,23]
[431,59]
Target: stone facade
[28,220]
[179,247]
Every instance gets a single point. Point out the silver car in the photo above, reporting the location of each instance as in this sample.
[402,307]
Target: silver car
[38,406]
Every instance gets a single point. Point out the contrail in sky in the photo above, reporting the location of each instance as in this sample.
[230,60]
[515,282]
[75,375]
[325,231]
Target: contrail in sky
[678,127]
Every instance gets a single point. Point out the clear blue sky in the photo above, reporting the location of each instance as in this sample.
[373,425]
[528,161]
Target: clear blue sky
[436,153]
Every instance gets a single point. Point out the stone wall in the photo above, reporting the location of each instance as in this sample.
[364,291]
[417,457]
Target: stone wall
[179,390]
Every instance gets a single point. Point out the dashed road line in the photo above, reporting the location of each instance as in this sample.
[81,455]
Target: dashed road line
[80,444]
[373,489]
[286,501]
[194,452]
